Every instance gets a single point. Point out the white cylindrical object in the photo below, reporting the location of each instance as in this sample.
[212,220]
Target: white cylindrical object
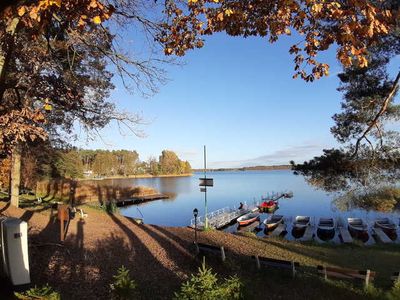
[14,242]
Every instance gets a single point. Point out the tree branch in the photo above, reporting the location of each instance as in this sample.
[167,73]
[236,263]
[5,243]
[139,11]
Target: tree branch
[378,115]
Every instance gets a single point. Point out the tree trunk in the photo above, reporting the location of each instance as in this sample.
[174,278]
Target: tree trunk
[15,175]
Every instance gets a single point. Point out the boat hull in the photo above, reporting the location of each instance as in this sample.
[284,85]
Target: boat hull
[247,219]
[390,229]
[271,224]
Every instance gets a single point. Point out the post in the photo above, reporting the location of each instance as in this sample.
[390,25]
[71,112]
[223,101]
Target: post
[325,274]
[293,269]
[223,257]
[257,262]
[367,278]
[195,229]
[205,193]
[195,214]
[61,216]
[398,277]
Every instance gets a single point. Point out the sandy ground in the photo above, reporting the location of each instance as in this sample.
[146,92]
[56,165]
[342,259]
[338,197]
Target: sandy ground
[159,258]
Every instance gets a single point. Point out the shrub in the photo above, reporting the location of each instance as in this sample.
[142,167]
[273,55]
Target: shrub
[394,293]
[123,286]
[110,207]
[45,293]
[205,285]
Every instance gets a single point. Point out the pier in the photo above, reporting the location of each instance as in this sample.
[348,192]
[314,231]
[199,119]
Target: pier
[140,199]
[224,216]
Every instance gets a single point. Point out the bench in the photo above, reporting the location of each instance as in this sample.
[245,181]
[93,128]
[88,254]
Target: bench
[276,263]
[367,275]
[205,248]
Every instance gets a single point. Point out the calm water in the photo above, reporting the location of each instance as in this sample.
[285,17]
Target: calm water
[231,188]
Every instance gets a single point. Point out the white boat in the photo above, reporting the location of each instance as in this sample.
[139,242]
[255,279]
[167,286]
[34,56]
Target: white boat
[273,221]
[248,218]
[385,224]
[357,225]
[301,222]
[358,229]
[326,224]
[388,227]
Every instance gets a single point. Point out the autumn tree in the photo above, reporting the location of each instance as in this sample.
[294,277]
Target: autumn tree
[54,57]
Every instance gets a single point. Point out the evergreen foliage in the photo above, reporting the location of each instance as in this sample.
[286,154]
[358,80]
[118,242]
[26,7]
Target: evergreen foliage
[43,293]
[123,286]
[205,286]
[369,154]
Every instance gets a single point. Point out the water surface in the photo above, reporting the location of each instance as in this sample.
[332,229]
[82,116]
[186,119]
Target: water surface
[231,188]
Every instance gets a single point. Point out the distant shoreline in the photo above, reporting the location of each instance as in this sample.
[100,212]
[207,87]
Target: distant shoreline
[136,176]
[256,168]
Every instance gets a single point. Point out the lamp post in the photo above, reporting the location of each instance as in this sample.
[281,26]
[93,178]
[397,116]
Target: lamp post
[195,214]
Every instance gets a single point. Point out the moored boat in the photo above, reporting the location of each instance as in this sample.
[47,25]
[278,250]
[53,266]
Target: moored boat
[268,206]
[358,229]
[326,229]
[327,224]
[248,218]
[388,226]
[299,226]
[273,221]
[301,222]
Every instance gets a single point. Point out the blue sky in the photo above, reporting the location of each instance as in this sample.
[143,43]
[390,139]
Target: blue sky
[236,96]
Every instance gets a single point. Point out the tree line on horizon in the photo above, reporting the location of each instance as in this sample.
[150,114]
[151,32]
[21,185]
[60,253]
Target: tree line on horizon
[79,163]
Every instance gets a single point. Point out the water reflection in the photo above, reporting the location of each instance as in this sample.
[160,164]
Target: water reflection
[231,188]
[381,199]
[325,235]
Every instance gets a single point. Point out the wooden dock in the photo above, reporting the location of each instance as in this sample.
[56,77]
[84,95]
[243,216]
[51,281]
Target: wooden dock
[220,218]
[345,235]
[381,236]
[140,199]
[308,234]
[280,230]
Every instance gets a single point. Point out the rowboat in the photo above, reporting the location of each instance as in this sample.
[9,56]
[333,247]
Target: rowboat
[358,229]
[357,225]
[299,226]
[327,224]
[268,206]
[248,218]
[388,226]
[301,222]
[326,229]
[273,221]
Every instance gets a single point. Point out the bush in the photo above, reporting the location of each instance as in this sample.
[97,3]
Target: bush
[110,207]
[205,286]
[394,293]
[45,292]
[123,286]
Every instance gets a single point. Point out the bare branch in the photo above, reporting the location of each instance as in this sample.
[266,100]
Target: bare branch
[378,115]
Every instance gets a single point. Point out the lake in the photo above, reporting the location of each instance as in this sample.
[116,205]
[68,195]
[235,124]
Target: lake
[231,188]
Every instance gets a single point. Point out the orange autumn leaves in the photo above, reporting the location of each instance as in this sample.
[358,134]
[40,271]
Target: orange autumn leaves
[353,27]
[83,12]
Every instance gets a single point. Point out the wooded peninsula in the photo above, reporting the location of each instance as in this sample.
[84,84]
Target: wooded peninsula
[91,164]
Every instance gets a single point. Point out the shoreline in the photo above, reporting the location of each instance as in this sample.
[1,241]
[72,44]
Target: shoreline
[135,177]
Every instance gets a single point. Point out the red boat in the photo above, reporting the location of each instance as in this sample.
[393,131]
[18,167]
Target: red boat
[268,206]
